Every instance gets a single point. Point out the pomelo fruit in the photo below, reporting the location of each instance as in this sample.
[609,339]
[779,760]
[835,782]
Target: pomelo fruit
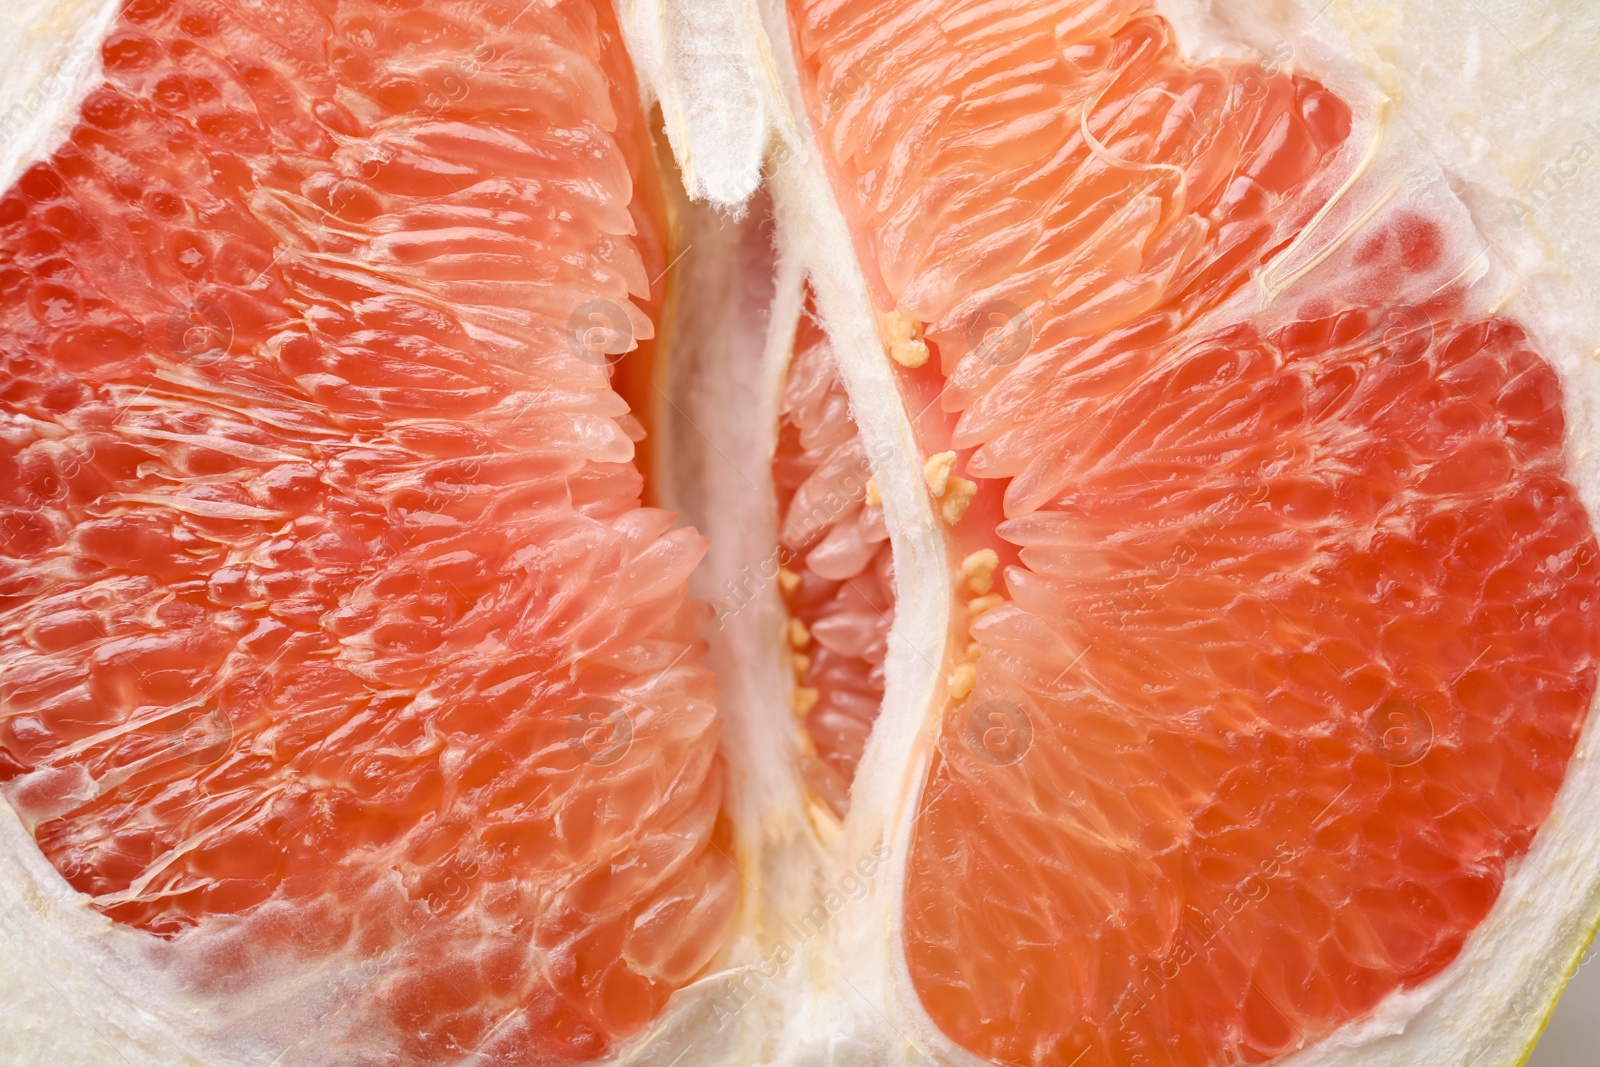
[1146,460]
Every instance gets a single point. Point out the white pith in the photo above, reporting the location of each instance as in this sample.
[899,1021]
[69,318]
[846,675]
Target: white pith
[78,989]
[52,51]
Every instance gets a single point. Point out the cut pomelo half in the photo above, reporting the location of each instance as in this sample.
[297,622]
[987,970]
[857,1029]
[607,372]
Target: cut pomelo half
[1151,583]
[339,654]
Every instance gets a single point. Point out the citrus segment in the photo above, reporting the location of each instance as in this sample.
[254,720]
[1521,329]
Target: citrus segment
[1304,620]
[1293,670]
[331,623]
[838,582]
